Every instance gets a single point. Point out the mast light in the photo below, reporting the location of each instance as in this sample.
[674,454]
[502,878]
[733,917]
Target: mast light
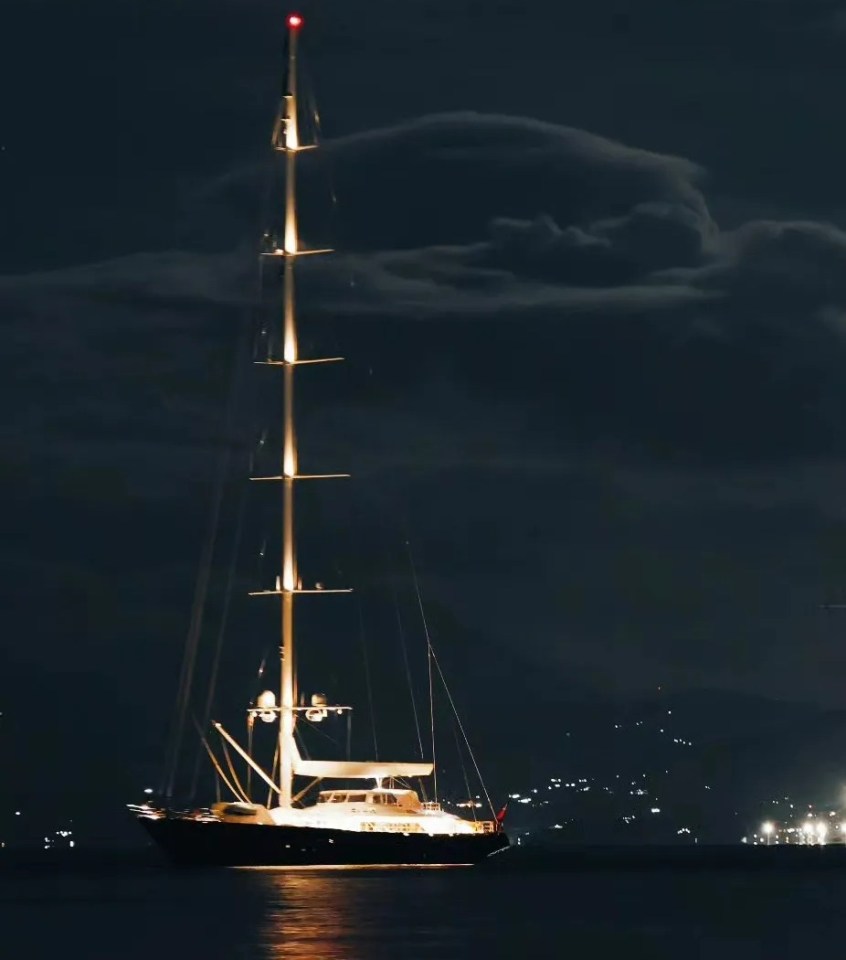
[295,21]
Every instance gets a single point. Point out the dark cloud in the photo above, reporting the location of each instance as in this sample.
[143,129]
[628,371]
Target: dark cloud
[731,344]
[442,177]
[790,265]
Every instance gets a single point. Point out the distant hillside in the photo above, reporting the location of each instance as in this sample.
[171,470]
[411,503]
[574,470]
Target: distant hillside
[72,748]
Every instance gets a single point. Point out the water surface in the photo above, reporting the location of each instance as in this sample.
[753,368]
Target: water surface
[523,911]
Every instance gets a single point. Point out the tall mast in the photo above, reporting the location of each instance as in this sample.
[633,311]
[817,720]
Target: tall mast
[290,145]
[286,140]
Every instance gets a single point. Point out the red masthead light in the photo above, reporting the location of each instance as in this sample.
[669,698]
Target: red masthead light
[294,21]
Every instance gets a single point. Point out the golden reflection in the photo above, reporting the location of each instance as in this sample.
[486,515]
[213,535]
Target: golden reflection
[310,915]
[358,867]
[321,915]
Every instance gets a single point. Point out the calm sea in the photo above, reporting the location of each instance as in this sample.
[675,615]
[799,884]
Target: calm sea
[520,911]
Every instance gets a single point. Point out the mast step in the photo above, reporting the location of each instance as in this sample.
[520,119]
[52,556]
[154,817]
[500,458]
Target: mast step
[308,476]
[281,148]
[296,363]
[280,252]
[280,593]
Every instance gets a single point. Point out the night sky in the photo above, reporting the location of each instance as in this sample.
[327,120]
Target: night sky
[593,295]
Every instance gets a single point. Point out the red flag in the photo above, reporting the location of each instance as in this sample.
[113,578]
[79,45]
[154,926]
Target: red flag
[500,817]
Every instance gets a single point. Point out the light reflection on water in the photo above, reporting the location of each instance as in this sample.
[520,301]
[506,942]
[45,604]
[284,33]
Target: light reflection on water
[351,915]
[511,914]
[459,915]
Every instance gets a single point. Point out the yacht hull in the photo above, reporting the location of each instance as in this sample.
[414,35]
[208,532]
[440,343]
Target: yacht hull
[225,844]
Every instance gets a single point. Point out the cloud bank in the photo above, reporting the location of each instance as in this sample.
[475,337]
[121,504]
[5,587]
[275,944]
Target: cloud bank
[522,303]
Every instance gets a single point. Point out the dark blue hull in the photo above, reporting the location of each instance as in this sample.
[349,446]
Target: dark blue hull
[225,844]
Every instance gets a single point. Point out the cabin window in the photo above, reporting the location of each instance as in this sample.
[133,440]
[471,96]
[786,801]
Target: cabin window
[383,798]
[338,798]
[356,797]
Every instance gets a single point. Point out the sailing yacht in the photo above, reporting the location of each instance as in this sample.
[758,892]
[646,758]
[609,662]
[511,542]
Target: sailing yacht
[382,820]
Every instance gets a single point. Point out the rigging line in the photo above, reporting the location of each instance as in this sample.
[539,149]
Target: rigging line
[263,663]
[301,744]
[273,773]
[463,734]
[404,647]
[429,657]
[189,661]
[367,677]
[402,637]
[420,780]
[265,231]
[224,621]
[250,726]
[234,773]
[221,775]
[326,157]
[433,658]
[318,134]
[470,798]
[297,798]
[260,332]
[238,376]
[323,733]
[408,676]
[270,165]
[191,644]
